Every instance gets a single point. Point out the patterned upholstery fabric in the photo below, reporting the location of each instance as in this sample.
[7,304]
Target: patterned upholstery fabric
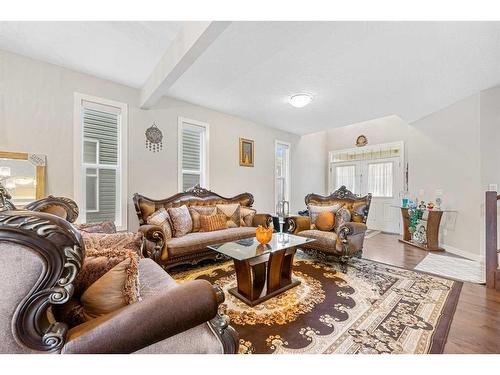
[314,210]
[112,242]
[247,215]
[325,221]
[232,212]
[103,227]
[181,220]
[341,217]
[197,211]
[162,219]
[198,241]
[325,241]
[213,222]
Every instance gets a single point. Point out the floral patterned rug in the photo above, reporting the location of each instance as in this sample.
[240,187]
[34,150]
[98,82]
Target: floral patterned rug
[371,308]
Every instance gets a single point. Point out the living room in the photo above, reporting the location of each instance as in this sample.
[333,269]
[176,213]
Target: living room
[259,187]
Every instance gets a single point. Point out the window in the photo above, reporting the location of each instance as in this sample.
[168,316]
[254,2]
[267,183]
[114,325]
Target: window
[282,172]
[193,154]
[345,175]
[100,160]
[380,179]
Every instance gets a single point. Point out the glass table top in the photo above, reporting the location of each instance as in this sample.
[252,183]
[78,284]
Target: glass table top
[251,248]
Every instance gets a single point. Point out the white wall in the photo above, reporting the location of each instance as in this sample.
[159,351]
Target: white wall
[36,116]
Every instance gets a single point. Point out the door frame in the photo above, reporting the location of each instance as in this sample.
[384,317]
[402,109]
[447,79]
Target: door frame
[402,160]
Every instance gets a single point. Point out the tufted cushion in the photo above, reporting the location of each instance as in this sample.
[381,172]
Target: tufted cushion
[181,220]
[232,213]
[325,221]
[162,219]
[197,211]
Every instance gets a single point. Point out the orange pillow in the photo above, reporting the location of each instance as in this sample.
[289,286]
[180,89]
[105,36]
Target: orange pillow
[325,221]
[210,223]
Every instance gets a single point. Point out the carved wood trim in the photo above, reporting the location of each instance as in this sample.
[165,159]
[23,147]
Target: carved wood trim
[60,247]
[220,325]
[67,204]
[194,194]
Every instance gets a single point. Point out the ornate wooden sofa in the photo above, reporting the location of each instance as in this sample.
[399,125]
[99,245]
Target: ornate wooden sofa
[191,248]
[345,241]
[41,256]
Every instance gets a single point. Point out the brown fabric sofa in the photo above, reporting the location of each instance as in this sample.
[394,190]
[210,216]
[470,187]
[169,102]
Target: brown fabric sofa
[41,256]
[344,242]
[192,247]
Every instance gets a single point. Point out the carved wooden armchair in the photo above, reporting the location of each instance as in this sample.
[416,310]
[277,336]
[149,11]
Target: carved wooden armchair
[346,238]
[41,254]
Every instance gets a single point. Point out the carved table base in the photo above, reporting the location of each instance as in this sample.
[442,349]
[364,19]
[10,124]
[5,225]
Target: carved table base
[264,277]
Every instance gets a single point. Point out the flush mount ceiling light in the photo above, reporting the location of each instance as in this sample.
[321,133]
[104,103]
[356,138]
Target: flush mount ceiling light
[300,100]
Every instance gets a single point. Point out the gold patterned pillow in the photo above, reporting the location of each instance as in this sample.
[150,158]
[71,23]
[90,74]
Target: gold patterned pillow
[197,211]
[213,222]
[162,219]
[247,214]
[314,210]
[181,220]
[232,213]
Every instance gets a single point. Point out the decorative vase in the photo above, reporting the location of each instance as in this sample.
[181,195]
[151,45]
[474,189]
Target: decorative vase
[263,235]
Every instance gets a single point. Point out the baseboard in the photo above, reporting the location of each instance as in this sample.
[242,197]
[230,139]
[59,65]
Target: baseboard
[465,254]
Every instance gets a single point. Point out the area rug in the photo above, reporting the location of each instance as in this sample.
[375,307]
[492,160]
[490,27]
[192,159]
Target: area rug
[371,308]
[453,267]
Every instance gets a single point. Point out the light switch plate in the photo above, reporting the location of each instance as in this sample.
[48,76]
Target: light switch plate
[439,192]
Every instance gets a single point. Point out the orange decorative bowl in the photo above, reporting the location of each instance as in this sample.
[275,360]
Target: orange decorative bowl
[263,235]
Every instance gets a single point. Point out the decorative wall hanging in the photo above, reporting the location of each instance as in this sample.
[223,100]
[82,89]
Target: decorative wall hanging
[246,152]
[361,141]
[154,138]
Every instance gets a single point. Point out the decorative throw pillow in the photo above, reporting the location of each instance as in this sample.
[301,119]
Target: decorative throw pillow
[197,211]
[314,210]
[247,214]
[161,219]
[325,221]
[213,222]
[341,217]
[232,212]
[117,242]
[181,220]
[103,227]
[116,288]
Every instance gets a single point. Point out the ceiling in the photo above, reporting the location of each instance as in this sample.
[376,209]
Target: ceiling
[123,52]
[356,71]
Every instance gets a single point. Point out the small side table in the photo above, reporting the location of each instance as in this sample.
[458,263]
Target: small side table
[433,218]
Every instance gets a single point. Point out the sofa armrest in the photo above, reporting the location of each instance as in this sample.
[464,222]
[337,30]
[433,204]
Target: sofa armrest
[350,238]
[262,219]
[154,319]
[155,241]
[298,224]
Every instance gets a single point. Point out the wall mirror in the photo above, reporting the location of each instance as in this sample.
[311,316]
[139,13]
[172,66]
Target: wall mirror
[23,175]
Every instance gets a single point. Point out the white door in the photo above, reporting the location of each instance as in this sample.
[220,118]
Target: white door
[382,178]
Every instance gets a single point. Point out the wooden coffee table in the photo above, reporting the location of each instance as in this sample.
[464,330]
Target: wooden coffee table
[262,271]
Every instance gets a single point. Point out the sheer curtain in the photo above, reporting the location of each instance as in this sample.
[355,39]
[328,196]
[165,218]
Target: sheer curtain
[380,179]
[345,175]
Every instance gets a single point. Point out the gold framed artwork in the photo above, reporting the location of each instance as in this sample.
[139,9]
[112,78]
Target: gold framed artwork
[23,175]
[246,152]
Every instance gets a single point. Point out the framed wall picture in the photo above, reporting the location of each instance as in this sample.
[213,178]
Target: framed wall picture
[246,152]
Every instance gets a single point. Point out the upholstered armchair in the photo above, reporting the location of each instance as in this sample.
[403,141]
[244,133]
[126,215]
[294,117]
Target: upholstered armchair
[42,254]
[345,239]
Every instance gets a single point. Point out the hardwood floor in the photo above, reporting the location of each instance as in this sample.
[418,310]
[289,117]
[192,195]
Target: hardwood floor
[476,323]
